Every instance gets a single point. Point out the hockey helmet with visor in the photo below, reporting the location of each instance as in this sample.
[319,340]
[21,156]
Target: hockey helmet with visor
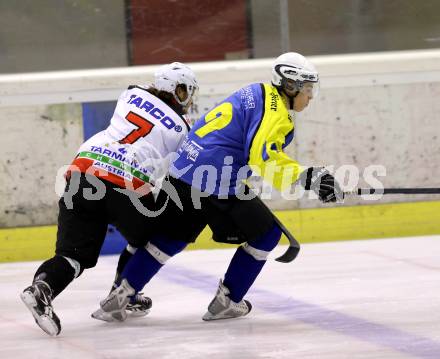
[293,73]
[168,77]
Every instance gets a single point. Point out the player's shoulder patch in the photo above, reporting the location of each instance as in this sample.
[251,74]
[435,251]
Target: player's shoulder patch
[249,95]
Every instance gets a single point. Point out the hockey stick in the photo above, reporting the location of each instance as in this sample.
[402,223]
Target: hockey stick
[362,191]
[294,246]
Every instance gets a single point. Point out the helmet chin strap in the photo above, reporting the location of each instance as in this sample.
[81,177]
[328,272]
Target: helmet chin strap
[291,98]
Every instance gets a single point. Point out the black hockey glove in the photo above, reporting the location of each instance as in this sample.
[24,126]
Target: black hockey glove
[320,181]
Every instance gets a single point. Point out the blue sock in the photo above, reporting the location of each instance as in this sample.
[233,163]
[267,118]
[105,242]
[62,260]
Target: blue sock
[142,266]
[244,268]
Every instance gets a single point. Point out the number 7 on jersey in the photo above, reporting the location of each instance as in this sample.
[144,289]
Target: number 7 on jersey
[144,127]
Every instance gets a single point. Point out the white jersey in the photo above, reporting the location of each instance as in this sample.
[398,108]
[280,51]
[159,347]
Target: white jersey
[135,148]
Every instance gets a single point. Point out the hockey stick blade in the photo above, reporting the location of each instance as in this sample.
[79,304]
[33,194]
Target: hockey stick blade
[294,246]
[288,255]
[372,191]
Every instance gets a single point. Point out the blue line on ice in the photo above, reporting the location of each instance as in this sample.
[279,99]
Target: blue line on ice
[312,314]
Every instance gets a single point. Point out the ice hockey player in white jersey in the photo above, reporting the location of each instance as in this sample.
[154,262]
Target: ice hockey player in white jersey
[128,157]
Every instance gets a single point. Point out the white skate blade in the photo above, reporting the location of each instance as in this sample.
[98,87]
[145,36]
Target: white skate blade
[209,316]
[43,321]
[137,313]
[109,317]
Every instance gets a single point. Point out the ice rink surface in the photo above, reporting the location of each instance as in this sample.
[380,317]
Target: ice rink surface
[358,299]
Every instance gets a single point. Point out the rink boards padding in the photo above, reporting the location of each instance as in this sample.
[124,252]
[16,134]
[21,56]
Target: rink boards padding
[308,226]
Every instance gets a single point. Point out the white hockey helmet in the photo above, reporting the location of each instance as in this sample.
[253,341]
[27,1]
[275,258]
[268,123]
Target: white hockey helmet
[168,77]
[292,70]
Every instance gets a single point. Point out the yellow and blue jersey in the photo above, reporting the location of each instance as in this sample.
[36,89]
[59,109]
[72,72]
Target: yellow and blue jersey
[245,133]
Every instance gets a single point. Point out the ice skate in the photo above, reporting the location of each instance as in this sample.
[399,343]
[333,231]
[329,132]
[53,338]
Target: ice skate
[113,308]
[222,307]
[139,305]
[38,299]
